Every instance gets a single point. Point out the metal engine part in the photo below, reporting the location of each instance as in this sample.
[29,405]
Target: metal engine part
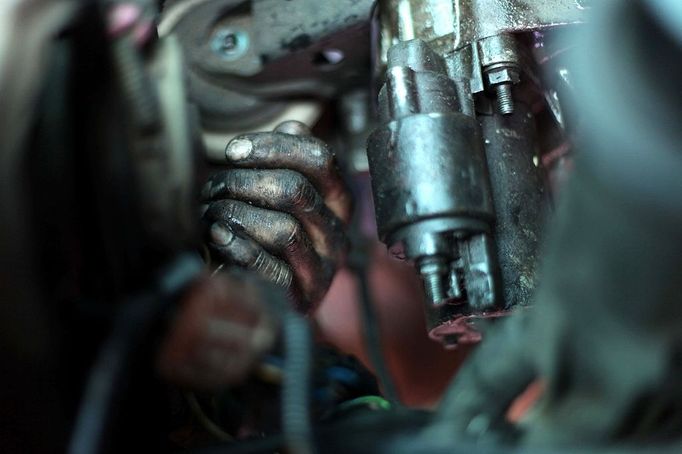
[247,58]
[430,180]
[457,184]
[520,199]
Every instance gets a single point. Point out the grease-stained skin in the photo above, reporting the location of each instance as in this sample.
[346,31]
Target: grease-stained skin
[280,210]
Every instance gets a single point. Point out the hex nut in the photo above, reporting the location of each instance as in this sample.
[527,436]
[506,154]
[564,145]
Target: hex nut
[504,75]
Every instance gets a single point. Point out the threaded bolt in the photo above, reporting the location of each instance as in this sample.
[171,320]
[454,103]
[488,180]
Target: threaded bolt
[433,286]
[505,101]
[501,79]
[432,271]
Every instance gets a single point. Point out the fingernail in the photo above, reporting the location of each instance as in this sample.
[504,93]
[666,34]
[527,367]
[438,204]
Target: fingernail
[238,149]
[221,234]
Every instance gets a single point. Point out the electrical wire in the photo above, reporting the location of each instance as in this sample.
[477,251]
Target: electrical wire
[373,337]
[357,261]
[296,419]
[371,402]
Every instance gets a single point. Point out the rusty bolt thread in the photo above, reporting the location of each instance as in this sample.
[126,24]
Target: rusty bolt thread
[433,285]
[505,100]
[432,271]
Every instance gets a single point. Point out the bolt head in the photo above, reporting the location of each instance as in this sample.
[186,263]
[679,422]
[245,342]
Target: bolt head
[503,76]
[229,44]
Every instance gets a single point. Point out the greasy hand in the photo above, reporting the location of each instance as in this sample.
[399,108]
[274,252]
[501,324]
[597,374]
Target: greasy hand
[280,211]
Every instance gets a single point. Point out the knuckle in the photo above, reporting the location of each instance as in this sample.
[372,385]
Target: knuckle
[289,235]
[324,156]
[271,185]
[316,152]
[261,264]
[223,184]
[284,277]
[230,211]
[271,269]
[236,179]
[234,211]
[299,192]
[294,240]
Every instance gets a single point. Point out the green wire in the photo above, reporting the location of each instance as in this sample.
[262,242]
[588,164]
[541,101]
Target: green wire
[373,402]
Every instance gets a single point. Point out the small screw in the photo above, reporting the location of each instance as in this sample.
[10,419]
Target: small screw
[230,44]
